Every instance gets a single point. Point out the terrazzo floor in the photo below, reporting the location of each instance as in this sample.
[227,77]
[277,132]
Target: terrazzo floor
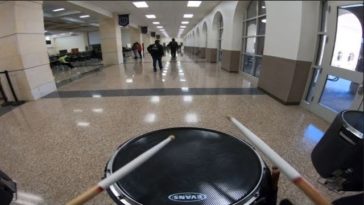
[55,147]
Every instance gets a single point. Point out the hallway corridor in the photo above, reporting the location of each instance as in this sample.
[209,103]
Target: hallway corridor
[62,142]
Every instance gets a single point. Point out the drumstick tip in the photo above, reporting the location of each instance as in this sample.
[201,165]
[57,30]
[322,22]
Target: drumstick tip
[229,117]
[172,137]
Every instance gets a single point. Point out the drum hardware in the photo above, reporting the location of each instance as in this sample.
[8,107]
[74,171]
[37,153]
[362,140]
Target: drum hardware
[338,156]
[8,189]
[332,184]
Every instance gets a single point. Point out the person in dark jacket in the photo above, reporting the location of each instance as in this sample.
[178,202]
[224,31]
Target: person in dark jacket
[173,46]
[156,50]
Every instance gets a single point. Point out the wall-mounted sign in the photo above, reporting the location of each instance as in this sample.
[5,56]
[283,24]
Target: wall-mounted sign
[144,29]
[152,34]
[124,19]
[158,36]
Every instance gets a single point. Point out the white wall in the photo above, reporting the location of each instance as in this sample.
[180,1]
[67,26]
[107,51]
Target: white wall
[94,37]
[291,34]
[129,35]
[69,42]
[309,29]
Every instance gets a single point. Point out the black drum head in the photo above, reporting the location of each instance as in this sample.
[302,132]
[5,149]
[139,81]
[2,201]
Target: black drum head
[201,167]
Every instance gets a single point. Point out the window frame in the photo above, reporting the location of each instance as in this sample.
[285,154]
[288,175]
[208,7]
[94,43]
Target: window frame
[245,37]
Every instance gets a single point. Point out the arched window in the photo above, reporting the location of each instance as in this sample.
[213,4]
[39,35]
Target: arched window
[253,38]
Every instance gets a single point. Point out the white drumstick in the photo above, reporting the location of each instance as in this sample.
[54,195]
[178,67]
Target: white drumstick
[120,173]
[282,164]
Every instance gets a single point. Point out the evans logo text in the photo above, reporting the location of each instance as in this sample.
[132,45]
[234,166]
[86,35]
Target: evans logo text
[187,197]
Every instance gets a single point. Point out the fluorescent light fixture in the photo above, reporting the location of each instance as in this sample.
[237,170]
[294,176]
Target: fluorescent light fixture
[185,89]
[264,20]
[182,26]
[187,16]
[156,23]
[150,16]
[193,3]
[140,4]
[60,9]
[160,27]
[84,16]
[129,80]
[185,22]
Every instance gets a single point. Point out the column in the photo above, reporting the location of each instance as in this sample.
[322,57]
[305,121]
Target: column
[111,47]
[289,48]
[23,49]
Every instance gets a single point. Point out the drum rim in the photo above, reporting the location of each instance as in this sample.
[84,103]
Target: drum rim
[349,127]
[116,188]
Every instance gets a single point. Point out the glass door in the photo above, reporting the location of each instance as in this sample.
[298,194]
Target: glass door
[338,84]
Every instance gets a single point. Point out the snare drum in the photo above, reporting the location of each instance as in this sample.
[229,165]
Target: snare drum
[200,167]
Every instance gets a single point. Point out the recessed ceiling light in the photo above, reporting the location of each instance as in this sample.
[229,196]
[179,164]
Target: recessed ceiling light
[56,10]
[182,26]
[140,4]
[84,16]
[159,26]
[187,15]
[150,16]
[193,3]
[155,22]
[185,22]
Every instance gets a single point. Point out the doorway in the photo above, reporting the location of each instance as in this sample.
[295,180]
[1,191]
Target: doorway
[336,82]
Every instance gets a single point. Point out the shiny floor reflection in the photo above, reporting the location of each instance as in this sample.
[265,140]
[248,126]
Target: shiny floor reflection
[57,147]
[184,72]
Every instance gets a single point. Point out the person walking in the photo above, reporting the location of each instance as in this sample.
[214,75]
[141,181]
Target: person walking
[156,51]
[173,46]
[137,49]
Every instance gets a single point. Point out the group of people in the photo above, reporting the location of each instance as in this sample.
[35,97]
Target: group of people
[156,50]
